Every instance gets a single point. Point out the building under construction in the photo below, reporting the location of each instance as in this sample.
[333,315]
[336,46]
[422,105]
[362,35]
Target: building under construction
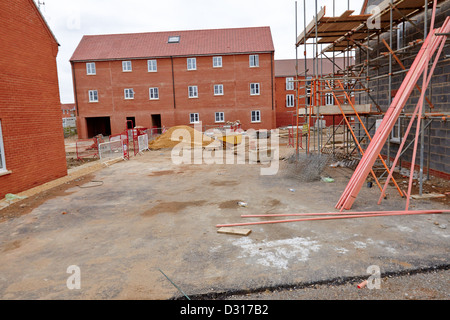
[380,45]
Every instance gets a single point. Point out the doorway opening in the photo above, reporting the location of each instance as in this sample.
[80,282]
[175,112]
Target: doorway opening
[98,125]
[156,123]
[131,122]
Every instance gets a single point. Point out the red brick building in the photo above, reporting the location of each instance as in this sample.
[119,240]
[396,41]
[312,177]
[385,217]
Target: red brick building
[31,135]
[286,87]
[68,110]
[174,78]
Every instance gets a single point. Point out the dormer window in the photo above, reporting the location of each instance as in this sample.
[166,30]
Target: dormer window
[174,39]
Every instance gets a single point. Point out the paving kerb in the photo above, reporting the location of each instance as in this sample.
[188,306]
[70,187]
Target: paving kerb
[150,215]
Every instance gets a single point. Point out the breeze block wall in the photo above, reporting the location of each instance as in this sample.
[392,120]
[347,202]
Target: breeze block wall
[437,131]
[30,107]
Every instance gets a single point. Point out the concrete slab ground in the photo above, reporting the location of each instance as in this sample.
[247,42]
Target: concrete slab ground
[125,225]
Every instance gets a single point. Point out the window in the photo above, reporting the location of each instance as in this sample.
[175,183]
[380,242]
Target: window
[290,83]
[191,63]
[329,99]
[90,68]
[2,151]
[193,92]
[377,124]
[93,96]
[194,118]
[254,60]
[400,35]
[256,116]
[129,94]
[173,39]
[153,93]
[395,133]
[290,100]
[126,66]
[217,62]
[308,91]
[152,66]
[218,89]
[254,89]
[220,117]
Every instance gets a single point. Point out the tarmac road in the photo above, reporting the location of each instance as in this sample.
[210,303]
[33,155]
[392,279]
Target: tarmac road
[149,214]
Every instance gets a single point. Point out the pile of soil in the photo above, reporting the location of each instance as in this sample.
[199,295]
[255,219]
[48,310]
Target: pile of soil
[167,140]
[434,185]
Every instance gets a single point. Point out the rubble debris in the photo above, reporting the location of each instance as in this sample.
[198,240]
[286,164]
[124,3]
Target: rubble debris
[236,231]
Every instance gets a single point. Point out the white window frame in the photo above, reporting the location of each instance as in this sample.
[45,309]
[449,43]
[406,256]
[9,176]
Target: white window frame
[153,93]
[2,151]
[218,89]
[173,39]
[93,95]
[219,117]
[193,92]
[290,100]
[289,83]
[400,35]
[152,65]
[194,117]
[128,93]
[329,99]
[217,62]
[255,116]
[191,63]
[308,97]
[126,66]
[254,89]
[90,68]
[395,133]
[254,60]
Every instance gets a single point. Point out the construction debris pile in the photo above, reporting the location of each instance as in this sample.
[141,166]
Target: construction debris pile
[304,167]
[170,138]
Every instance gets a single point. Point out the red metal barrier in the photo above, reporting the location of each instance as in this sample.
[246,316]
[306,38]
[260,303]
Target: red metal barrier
[136,133]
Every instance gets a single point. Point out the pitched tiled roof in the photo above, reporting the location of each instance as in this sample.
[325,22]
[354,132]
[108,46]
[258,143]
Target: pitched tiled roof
[284,68]
[192,42]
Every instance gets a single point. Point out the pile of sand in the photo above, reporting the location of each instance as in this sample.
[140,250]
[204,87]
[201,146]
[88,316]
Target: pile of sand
[167,140]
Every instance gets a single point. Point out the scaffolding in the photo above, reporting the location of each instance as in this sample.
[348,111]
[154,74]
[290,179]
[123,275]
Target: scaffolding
[353,87]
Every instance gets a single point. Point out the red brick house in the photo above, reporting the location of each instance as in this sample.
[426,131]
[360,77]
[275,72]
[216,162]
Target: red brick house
[68,110]
[31,135]
[286,87]
[174,78]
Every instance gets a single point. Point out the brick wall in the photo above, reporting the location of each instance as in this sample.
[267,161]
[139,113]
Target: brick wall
[286,115]
[30,108]
[174,105]
[437,134]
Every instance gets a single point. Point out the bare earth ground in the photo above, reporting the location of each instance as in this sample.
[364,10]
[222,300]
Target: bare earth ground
[126,224]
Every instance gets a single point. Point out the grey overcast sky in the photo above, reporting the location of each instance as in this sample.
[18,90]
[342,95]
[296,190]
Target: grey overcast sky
[69,20]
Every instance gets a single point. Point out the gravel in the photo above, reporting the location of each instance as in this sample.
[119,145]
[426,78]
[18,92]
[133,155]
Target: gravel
[431,285]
